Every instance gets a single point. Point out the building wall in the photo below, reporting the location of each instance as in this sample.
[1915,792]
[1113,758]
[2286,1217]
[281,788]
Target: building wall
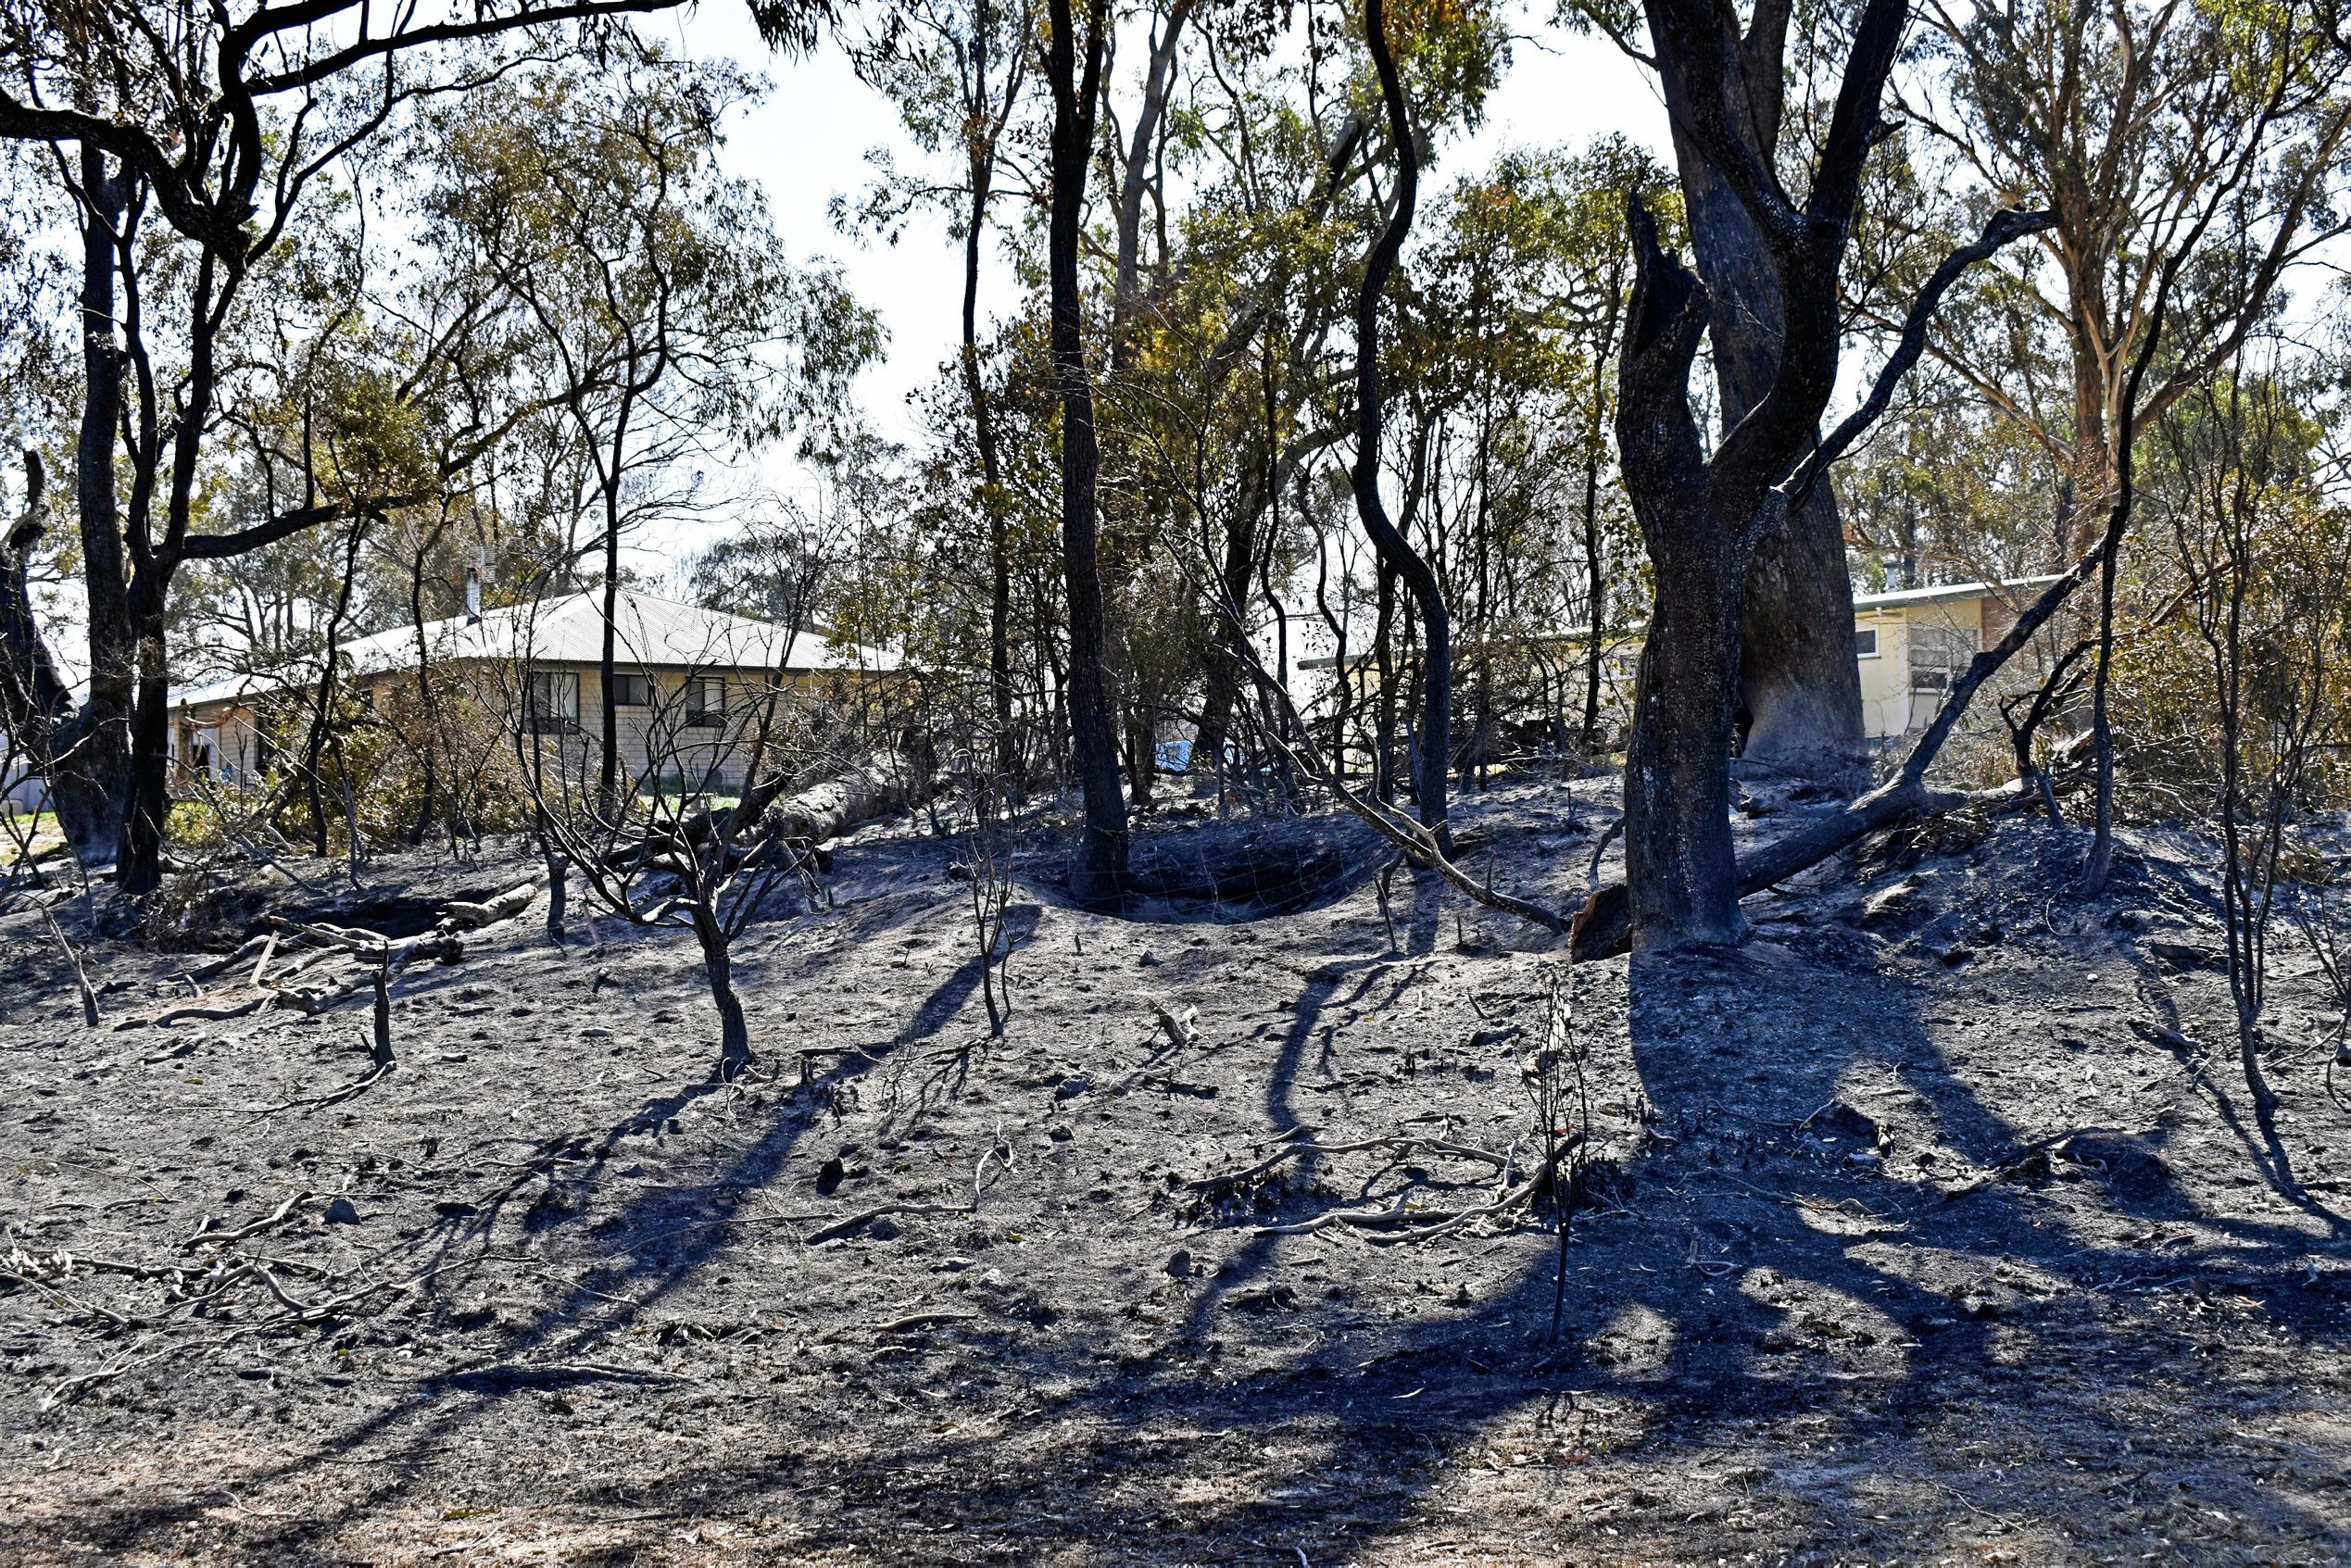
[653,738]
[1916,646]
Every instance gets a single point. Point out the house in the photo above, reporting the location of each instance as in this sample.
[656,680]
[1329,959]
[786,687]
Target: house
[22,788]
[689,684]
[1914,644]
[1911,644]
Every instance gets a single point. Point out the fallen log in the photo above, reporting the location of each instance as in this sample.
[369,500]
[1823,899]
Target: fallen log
[459,915]
[876,787]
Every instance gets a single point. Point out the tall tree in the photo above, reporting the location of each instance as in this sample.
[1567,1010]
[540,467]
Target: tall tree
[229,120]
[1396,553]
[957,70]
[1797,680]
[1074,54]
[1703,514]
[654,320]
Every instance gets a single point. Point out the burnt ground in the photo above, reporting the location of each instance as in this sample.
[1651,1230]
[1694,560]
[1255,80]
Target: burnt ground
[1844,1290]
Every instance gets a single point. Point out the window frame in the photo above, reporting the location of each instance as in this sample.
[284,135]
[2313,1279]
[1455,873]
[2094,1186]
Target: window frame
[631,689]
[563,687]
[1877,643]
[701,711]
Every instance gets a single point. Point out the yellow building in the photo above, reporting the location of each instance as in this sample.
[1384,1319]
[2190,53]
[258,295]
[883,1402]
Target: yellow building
[1913,644]
[690,683]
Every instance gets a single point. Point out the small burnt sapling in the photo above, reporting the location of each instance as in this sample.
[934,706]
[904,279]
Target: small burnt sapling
[669,855]
[990,848]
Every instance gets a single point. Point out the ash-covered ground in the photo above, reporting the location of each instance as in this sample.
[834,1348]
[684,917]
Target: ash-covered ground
[1931,1225]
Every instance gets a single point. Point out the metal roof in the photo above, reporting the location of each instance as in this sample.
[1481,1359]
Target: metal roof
[650,633]
[1944,591]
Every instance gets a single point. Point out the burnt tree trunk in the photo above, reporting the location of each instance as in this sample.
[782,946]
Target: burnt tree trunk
[1702,515]
[1435,730]
[1679,865]
[1100,864]
[1796,668]
[92,786]
[718,964]
[980,175]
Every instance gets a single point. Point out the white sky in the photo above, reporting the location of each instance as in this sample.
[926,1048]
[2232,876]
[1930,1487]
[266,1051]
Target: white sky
[807,141]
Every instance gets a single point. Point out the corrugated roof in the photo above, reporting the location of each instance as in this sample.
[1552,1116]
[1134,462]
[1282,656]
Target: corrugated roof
[650,633]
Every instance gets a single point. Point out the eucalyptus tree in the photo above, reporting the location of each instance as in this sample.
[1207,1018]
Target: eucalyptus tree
[2195,158]
[958,72]
[225,123]
[1796,677]
[2147,126]
[1074,49]
[1511,346]
[658,326]
[1703,513]
[1462,52]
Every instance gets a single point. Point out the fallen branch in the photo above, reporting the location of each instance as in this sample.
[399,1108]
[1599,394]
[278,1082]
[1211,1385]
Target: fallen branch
[206,1237]
[859,1222]
[1215,1186]
[1521,1197]
[213,1014]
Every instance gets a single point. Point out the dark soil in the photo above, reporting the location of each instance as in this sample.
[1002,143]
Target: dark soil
[1908,1236]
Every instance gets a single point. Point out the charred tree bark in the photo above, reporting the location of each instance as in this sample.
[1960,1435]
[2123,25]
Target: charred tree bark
[1100,865]
[1436,708]
[92,783]
[1679,859]
[1700,514]
[35,703]
[1796,668]
[984,124]
[1607,924]
[718,964]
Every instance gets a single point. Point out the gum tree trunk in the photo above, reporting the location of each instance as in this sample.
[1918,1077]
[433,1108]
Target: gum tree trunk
[1679,866]
[94,785]
[1099,868]
[1796,668]
[1433,740]
[1703,514]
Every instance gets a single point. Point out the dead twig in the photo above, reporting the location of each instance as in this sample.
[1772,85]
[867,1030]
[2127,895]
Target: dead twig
[206,1237]
[82,981]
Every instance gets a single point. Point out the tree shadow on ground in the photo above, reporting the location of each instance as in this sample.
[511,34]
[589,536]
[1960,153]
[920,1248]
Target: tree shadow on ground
[665,1235]
[1695,1323]
[1764,1289]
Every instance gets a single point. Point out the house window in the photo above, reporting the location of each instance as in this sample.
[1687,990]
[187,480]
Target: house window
[1865,642]
[705,704]
[551,701]
[1939,656]
[632,691]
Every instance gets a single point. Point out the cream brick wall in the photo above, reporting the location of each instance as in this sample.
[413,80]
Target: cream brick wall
[712,757]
